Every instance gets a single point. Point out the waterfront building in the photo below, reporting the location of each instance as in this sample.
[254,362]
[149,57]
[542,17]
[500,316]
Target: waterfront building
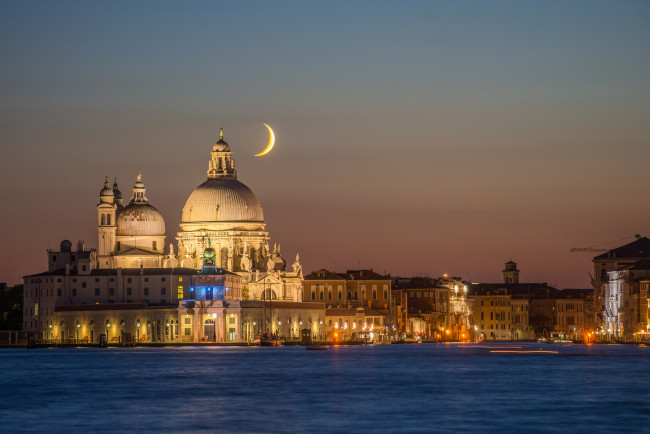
[354,288]
[625,295]
[526,311]
[222,283]
[356,324]
[614,260]
[437,308]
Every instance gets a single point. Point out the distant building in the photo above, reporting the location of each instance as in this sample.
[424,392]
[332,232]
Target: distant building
[525,311]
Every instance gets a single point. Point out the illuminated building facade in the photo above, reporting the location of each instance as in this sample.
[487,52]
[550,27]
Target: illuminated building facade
[223,283]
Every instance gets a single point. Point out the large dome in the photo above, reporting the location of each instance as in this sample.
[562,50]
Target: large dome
[222,200]
[137,219]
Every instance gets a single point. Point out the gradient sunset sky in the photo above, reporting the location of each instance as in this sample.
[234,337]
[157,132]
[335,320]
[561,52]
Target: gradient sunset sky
[412,137]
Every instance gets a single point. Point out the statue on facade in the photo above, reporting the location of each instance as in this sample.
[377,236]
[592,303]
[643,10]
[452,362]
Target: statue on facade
[297,268]
[246,259]
[270,264]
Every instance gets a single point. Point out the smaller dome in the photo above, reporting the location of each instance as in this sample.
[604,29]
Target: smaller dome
[208,255]
[138,219]
[116,191]
[66,246]
[106,191]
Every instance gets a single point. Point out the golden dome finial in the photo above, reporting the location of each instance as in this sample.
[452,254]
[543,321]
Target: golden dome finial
[220,133]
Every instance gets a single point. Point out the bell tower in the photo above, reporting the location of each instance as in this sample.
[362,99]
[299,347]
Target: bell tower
[510,273]
[106,226]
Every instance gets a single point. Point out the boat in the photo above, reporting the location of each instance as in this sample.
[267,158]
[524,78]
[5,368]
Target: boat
[317,347]
[411,338]
[268,340]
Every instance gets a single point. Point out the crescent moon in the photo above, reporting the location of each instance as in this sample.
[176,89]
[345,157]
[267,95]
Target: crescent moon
[271,143]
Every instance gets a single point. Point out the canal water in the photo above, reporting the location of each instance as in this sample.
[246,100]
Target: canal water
[387,388]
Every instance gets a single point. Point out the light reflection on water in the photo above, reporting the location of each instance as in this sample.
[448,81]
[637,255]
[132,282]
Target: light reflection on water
[383,388]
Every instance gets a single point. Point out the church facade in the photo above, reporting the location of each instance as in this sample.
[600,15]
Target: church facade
[221,283]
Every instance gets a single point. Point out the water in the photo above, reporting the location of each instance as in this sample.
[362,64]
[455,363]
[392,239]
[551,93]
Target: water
[388,388]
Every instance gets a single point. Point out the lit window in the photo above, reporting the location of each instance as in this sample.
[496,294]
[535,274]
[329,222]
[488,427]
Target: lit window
[180,292]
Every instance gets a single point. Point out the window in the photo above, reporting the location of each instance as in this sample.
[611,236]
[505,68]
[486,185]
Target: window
[322,296]
[386,294]
[163,301]
[329,295]
[111,280]
[128,291]
[74,292]
[188,320]
[96,279]
[111,291]
[146,291]
[162,279]
[108,219]
[118,245]
[231,320]
[58,292]
[180,279]
[83,268]
[180,293]
[102,220]
[154,245]
[163,291]
[481,316]
[83,284]
[330,323]
[313,294]
[58,280]
[97,291]
[146,279]
[374,294]
[491,316]
[188,332]
[128,280]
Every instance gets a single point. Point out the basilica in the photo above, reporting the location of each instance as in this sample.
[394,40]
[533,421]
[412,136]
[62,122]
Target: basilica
[221,282]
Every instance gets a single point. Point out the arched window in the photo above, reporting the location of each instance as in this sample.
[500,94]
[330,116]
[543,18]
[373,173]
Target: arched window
[356,295]
[103,220]
[374,294]
[363,294]
[322,297]
[313,294]
[329,295]
[108,219]
[386,294]
[349,295]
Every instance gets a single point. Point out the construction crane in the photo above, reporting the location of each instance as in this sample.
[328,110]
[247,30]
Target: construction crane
[598,249]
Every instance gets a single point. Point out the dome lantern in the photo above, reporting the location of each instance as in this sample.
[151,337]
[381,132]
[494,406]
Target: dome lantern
[221,163]
[139,190]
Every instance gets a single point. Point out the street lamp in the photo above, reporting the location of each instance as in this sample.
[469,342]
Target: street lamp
[214,326]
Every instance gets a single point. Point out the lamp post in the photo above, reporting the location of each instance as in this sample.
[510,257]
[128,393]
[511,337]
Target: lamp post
[214,326]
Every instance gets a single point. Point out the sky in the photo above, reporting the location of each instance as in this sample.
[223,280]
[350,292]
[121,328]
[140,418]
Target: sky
[415,137]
